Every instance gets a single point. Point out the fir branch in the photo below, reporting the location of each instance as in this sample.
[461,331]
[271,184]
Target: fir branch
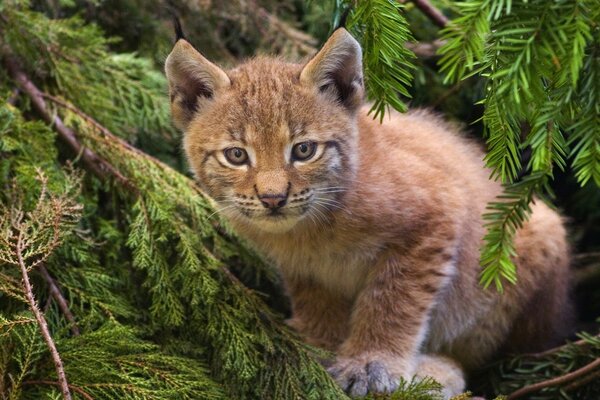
[465,40]
[503,219]
[383,32]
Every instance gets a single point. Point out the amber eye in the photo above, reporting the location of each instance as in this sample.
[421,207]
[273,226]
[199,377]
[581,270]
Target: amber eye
[303,151]
[236,155]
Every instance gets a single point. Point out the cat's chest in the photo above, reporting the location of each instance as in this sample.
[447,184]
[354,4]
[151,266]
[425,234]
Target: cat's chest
[341,269]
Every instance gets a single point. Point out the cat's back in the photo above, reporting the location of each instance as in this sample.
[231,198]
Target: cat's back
[420,149]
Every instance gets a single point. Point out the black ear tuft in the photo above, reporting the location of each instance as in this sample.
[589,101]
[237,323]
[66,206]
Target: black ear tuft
[178,29]
[344,18]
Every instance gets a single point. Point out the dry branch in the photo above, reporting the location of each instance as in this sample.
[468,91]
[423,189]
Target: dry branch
[432,13]
[581,372]
[59,298]
[76,389]
[425,49]
[43,325]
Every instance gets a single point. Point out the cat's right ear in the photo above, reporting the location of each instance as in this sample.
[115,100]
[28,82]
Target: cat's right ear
[336,70]
[193,81]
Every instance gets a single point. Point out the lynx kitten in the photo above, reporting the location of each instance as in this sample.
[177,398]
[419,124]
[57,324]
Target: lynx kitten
[376,227]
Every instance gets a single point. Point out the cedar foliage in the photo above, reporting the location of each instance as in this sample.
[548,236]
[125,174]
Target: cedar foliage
[161,299]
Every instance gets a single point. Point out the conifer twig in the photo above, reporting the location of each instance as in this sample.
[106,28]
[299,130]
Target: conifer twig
[98,166]
[60,371]
[59,298]
[76,389]
[555,381]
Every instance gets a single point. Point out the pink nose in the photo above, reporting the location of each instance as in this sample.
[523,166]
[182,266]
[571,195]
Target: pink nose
[273,201]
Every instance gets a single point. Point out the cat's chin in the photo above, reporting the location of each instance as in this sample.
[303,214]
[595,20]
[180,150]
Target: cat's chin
[274,225]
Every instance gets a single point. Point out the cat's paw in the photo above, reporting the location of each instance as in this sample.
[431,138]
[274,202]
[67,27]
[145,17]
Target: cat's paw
[359,376]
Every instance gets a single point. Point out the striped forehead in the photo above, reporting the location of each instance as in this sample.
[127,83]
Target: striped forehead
[269,99]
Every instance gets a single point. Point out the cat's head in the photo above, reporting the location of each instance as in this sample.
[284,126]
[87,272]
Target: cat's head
[273,143]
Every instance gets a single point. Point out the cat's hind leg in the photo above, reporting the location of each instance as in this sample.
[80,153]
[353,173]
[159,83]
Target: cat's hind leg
[443,370]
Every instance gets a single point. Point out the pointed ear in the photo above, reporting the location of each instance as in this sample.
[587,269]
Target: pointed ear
[193,81]
[336,70]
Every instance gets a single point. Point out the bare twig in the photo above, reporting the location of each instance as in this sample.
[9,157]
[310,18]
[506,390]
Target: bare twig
[76,389]
[60,371]
[555,381]
[581,342]
[425,49]
[583,381]
[432,13]
[59,298]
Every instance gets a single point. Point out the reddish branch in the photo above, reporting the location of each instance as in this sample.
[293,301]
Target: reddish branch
[59,298]
[571,376]
[580,342]
[432,13]
[58,365]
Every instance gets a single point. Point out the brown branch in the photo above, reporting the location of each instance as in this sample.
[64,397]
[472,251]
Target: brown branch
[425,49]
[98,166]
[76,389]
[583,381]
[580,342]
[103,130]
[59,298]
[555,381]
[60,371]
[432,13]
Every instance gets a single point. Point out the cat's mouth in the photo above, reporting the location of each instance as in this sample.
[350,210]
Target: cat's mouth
[274,220]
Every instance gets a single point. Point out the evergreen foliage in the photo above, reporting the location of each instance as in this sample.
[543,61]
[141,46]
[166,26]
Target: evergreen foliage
[540,59]
[146,292]
[383,32]
[524,370]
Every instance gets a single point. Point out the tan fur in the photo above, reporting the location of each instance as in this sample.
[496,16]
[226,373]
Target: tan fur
[379,240]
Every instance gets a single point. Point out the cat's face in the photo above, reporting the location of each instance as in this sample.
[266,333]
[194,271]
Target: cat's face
[273,143]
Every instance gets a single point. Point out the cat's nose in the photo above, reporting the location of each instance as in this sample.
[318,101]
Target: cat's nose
[273,201]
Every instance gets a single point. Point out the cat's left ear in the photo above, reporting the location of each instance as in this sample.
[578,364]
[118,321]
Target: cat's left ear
[336,70]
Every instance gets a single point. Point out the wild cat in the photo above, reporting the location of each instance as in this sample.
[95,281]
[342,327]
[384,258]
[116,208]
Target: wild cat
[376,228]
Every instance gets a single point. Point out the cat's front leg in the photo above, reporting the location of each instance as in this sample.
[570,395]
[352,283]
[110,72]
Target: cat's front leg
[389,320]
[320,316]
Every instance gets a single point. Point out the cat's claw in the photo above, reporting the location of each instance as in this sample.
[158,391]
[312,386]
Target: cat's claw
[357,379]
